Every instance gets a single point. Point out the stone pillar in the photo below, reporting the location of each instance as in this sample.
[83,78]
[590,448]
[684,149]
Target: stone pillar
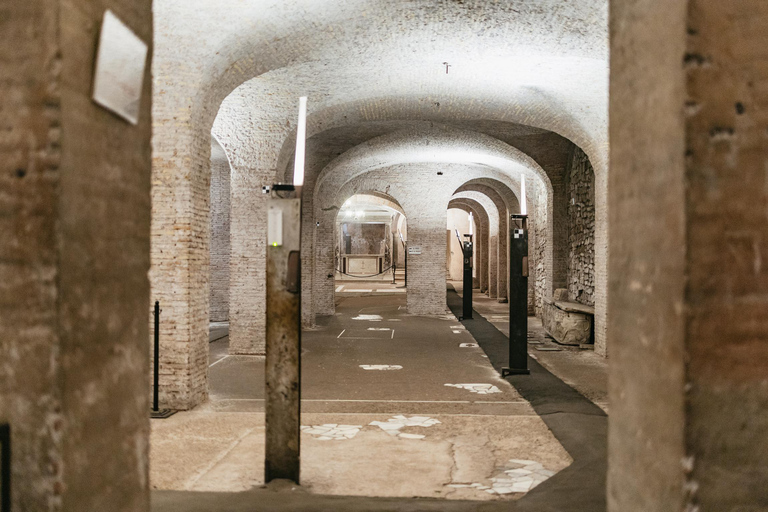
[493,266]
[247,327]
[220,233]
[74,294]
[324,256]
[646,327]
[426,271]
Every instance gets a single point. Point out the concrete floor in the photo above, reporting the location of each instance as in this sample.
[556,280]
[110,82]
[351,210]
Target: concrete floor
[219,447]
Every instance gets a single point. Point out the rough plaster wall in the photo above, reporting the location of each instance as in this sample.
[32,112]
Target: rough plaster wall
[30,154]
[104,290]
[647,259]
[75,355]
[570,41]
[727,235]
[220,246]
[366,238]
[581,229]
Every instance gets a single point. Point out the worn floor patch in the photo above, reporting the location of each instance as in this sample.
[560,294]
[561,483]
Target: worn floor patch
[481,389]
[332,431]
[394,424]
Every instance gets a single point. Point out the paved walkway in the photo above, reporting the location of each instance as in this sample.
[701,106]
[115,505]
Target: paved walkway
[425,413]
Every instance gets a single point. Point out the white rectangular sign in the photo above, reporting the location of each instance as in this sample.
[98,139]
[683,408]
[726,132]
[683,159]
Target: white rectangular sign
[414,249]
[120,64]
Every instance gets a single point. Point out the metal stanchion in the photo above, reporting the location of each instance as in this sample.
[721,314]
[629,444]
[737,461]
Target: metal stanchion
[518,297]
[467,252]
[156,412]
[5,468]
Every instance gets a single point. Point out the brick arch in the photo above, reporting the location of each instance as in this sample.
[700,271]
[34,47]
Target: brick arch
[482,249]
[500,247]
[490,239]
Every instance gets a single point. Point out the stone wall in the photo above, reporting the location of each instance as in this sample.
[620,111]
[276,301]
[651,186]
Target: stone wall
[538,287]
[581,229]
[74,308]
[220,246]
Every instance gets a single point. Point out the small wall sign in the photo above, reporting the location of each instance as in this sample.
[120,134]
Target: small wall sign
[120,65]
[414,249]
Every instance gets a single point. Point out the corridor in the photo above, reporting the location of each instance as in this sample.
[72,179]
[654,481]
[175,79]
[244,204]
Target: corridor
[239,239]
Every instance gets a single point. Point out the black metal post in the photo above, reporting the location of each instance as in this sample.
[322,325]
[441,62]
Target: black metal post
[156,412]
[518,297]
[467,251]
[405,245]
[394,273]
[156,398]
[5,468]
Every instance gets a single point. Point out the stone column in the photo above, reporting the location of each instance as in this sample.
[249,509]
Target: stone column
[74,296]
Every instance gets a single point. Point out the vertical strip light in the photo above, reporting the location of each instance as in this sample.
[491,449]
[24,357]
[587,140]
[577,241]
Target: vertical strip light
[523,205]
[301,143]
[471,224]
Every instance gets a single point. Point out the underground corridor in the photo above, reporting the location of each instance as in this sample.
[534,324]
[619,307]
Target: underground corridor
[357,255]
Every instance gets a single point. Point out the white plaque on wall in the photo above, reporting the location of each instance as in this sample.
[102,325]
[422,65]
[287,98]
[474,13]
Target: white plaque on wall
[414,249]
[120,64]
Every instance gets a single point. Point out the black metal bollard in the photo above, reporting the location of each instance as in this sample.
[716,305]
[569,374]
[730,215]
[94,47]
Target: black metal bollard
[5,468]
[156,412]
[156,398]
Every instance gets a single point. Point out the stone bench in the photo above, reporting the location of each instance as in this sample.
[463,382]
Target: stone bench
[569,323]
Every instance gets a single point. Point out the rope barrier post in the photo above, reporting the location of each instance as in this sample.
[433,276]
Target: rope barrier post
[5,468]
[156,390]
[156,412]
[394,273]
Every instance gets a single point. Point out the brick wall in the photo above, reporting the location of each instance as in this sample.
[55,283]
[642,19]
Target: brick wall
[220,246]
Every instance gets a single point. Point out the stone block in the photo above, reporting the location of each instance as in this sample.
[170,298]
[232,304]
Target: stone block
[569,323]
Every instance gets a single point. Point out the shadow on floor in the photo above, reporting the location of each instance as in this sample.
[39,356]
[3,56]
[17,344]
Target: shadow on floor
[579,425]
